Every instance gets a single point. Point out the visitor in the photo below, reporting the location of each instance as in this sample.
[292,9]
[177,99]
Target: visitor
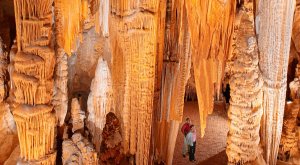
[191,141]
[185,129]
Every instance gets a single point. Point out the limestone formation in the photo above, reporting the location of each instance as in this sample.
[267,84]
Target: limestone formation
[99,101]
[274,46]
[69,21]
[3,71]
[296,26]
[36,131]
[211,24]
[32,81]
[8,133]
[79,151]
[111,148]
[246,83]
[116,72]
[175,72]
[60,93]
[77,116]
[133,37]
[288,147]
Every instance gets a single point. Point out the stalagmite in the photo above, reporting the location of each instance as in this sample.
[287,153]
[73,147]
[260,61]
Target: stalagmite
[210,23]
[246,83]
[111,148]
[99,101]
[31,72]
[274,46]
[133,37]
[77,115]
[79,151]
[60,93]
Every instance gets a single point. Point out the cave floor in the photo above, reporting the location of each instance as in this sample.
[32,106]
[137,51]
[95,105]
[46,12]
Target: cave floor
[210,149]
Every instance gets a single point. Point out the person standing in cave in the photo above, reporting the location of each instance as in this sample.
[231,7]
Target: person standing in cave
[191,141]
[185,129]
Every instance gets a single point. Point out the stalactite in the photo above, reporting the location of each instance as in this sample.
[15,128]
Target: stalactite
[102,14]
[79,150]
[245,109]
[274,46]
[210,23]
[175,72]
[99,101]
[70,19]
[133,37]
[60,96]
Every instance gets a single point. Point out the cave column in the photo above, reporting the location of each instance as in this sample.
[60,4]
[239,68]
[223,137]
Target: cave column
[32,81]
[133,39]
[274,26]
[245,110]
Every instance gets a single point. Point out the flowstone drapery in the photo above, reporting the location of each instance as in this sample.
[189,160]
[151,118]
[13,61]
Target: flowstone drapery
[245,109]
[274,46]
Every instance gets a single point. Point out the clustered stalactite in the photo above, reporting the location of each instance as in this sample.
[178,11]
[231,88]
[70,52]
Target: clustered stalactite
[175,72]
[32,81]
[70,20]
[210,38]
[274,47]
[245,109]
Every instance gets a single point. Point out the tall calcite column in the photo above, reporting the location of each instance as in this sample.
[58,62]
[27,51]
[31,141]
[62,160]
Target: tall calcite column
[133,39]
[32,81]
[274,22]
[245,110]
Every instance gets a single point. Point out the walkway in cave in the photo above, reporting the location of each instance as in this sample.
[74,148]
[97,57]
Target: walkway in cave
[211,148]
